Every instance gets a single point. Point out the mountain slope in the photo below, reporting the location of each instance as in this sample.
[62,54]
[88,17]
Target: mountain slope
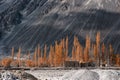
[44,21]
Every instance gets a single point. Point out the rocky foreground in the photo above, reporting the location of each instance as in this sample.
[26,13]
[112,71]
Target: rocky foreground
[15,75]
[82,74]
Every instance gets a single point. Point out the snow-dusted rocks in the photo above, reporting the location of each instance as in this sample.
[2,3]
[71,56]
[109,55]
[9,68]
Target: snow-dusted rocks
[95,74]
[108,74]
[85,75]
[7,76]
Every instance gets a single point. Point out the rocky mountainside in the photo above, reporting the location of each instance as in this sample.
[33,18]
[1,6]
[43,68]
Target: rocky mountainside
[27,23]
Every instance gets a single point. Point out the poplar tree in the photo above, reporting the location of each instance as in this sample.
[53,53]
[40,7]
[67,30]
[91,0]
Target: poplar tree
[117,59]
[35,57]
[45,55]
[81,54]
[88,42]
[66,47]
[111,55]
[12,54]
[87,49]
[73,53]
[95,52]
[98,47]
[39,55]
[55,54]
[86,56]
[18,56]
[51,55]
[103,53]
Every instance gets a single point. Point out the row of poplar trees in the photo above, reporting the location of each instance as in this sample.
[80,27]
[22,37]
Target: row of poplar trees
[57,54]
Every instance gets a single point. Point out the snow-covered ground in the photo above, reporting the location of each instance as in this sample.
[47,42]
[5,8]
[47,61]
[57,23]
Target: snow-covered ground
[82,74]
[48,74]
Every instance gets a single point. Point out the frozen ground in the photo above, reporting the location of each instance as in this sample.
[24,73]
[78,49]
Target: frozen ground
[48,74]
[95,74]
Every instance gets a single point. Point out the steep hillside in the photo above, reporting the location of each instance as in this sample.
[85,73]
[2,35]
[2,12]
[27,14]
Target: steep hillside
[27,23]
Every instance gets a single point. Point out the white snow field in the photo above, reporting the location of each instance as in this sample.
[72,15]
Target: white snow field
[82,74]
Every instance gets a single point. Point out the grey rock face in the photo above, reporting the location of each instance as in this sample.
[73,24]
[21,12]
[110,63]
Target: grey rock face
[33,22]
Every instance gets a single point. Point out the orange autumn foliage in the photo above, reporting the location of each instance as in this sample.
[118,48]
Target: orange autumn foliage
[87,49]
[39,55]
[98,43]
[103,52]
[45,55]
[51,56]
[6,62]
[98,39]
[81,54]
[58,56]
[30,63]
[88,42]
[60,52]
[73,54]
[19,56]
[86,55]
[15,63]
[35,57]
[66,48]
[95,53]
[77,50]
[118,59]
[111,55]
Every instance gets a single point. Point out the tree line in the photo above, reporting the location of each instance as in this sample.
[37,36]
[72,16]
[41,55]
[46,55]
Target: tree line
[58,54]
